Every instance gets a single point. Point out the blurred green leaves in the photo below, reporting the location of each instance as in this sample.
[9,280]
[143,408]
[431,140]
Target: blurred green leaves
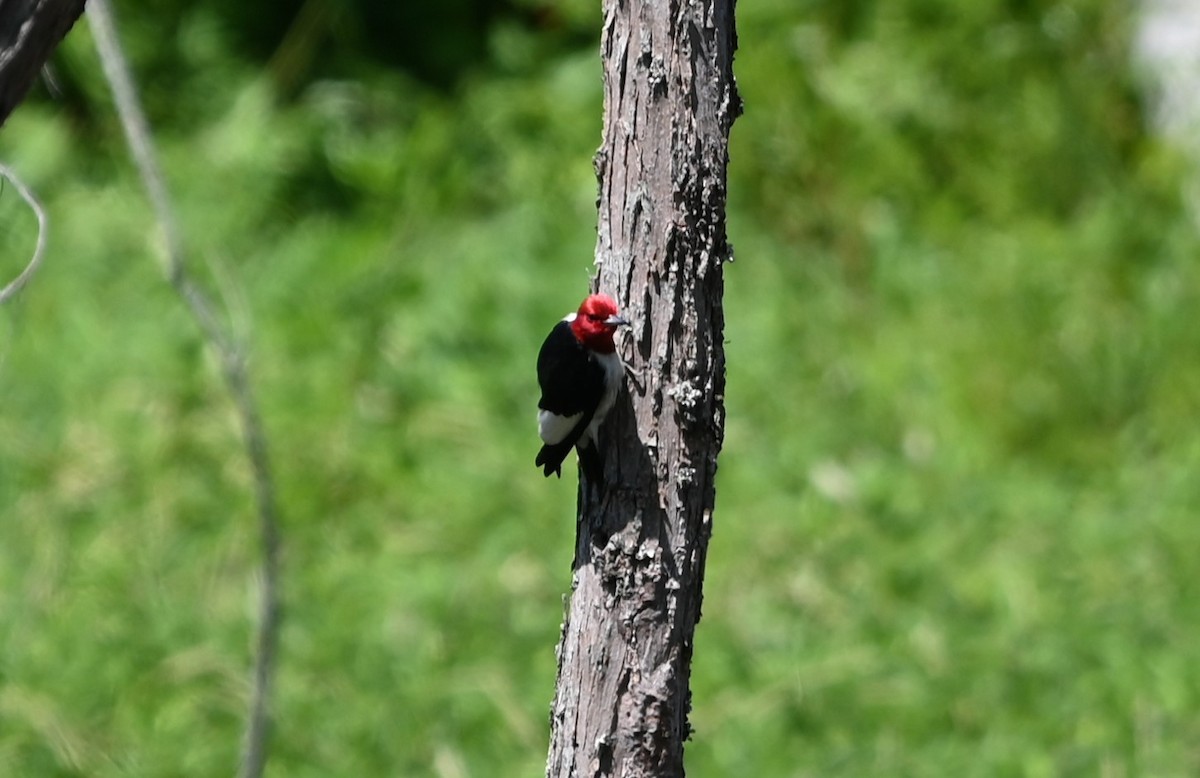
[957,496]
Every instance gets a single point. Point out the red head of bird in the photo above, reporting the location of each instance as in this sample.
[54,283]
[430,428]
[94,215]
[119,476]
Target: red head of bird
[595,323]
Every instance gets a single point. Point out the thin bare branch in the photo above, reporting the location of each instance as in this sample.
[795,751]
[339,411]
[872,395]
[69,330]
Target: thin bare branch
[39,249]
[233,365]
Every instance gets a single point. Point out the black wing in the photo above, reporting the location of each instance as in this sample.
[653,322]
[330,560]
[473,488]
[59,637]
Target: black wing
[571,382]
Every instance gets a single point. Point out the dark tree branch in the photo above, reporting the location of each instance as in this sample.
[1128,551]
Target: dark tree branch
[29,31]
[230,353]
[623,696]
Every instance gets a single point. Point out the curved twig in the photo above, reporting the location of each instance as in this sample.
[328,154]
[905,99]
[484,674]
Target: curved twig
[233,366]
[39,249]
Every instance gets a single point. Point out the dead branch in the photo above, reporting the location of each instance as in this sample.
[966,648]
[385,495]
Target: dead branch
[39,249]
[230,353]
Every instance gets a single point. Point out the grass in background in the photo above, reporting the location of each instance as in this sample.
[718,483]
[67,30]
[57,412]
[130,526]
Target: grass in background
[957,500]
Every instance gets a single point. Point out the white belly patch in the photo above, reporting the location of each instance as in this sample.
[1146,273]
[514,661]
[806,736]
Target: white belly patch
[553,428]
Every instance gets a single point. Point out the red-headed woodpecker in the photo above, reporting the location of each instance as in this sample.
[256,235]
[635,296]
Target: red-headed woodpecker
[579,372]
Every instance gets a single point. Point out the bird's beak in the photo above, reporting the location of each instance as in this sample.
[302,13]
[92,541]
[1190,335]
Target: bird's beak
[616,321]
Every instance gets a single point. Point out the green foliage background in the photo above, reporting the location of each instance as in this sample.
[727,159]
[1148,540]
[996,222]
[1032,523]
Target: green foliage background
[957,505]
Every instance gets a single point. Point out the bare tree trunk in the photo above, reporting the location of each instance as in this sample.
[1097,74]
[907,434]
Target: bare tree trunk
[29,31]
[622,699]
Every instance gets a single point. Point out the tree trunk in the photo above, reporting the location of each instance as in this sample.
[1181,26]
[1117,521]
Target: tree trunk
[622,699]
[29,31]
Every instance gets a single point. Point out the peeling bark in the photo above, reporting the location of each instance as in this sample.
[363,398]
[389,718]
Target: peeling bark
[29,31]
[622,700]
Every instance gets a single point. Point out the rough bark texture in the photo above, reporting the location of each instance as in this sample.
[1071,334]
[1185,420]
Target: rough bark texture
[29,31]
[622,700]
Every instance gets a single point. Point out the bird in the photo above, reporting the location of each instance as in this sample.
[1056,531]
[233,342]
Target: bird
[579,373]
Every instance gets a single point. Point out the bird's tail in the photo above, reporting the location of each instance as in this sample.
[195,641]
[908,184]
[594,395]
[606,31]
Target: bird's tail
[550,459]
